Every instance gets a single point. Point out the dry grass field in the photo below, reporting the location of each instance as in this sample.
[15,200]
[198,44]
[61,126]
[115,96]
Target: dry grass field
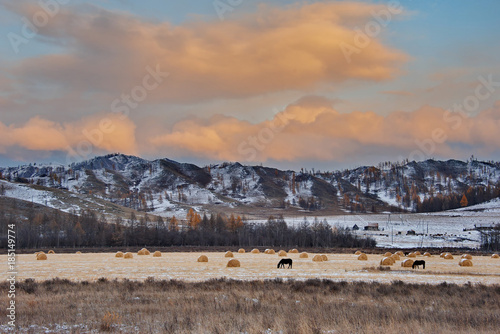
[184,266]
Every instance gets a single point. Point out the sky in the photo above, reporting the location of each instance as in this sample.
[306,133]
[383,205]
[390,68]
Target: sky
[289,84]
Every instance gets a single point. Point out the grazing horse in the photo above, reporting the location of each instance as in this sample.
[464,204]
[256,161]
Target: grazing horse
[418,263]
[283,262]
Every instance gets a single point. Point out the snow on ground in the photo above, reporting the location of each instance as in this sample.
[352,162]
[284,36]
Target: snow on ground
[183,266]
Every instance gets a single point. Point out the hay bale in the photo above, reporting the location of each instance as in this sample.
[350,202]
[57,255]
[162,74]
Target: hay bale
[412,255]
[324,257]
[229,254]
[203,258]
[467,256]
[387,254]
[294,251]
[495,256]
[119,254]
[442,254]
[41,256]
[387,261]
[448,256]
[395,257]
[255,251]
[282,253]
[400,253]
[157,254]
[241,250]
[362,257]
[51,252]
[128,255]
[427,254]
[270,251]
[317,258]
[233,263]
[465,263]
[417,253]
[303,255]
[357,253]
[407,263]
[78,252]
[143,251]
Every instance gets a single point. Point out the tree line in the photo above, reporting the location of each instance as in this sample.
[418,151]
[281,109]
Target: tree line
[88,229]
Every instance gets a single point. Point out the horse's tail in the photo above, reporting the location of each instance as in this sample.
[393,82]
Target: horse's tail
[423,264]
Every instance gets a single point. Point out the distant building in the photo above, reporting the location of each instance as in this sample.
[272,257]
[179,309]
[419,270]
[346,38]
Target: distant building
[410,232]
[355,227]
[371,227]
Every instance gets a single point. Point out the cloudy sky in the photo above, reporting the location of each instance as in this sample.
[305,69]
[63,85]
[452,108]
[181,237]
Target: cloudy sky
[324,84]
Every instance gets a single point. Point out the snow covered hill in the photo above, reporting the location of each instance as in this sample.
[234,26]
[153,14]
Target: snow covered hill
[165,187]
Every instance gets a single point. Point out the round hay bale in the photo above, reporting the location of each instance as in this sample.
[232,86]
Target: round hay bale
[241,250]
[395,257]
[417,253]
[282,253]
[303,255]
[317,258]
[146,252]
[400,253]
[128,255]
[294,251]
[427,254]
[448,256]
[255,251]
[41,256]
[442,254]
[157,254]
[407,263]
[51,252]
[495,256]
[467,256]
[362,257]
[387,261]
[141,252]
[412,255]
[387,254]
[233,263]
[324,257]
[119,254]
[271,252]
[465,263]
[357,253]
[78,252]
[203,258]
[229,254]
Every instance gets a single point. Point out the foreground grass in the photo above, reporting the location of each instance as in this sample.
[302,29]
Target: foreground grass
[228,306]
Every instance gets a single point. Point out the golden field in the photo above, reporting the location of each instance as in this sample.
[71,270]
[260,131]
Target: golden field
[184,266]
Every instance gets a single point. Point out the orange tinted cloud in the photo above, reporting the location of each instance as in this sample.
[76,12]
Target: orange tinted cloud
[103,132]
[314,131]
[274,49]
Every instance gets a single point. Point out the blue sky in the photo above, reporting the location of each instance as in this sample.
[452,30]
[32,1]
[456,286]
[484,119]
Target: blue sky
[230,78]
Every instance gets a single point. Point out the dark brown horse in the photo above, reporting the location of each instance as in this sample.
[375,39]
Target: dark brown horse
[283,262]
[418,263]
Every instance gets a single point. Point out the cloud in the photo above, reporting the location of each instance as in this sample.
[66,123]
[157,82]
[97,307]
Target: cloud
[313,130]
[81,139]
[275,49]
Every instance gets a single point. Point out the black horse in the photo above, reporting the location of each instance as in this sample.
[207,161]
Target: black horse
[418,263]
[283,262]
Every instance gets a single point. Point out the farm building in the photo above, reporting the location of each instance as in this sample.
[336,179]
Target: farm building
[371,227]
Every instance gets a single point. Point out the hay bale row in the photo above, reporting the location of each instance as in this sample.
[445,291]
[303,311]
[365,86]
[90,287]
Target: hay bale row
[465,263]
[407,263]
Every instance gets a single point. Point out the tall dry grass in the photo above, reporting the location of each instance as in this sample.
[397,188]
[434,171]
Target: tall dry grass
[229,306]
